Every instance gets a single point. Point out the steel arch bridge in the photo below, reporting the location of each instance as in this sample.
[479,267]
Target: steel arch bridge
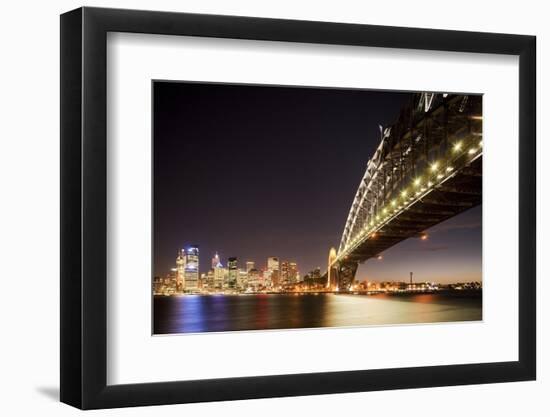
[426,169]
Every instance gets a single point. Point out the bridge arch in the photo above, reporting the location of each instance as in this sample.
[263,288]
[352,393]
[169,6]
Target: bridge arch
[426,169]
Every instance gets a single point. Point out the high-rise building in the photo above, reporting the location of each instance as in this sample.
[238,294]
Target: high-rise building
[292,272]
[220,276]
[192,268]
[242,279]
[283,265]
[180,271]
[219,273]
[273,270]
[254,278]
[215,260]
[265,278]
[233,272]
[249,265]
[288,272]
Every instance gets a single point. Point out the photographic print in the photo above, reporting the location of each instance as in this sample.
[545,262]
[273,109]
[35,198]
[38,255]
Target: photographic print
[288,207]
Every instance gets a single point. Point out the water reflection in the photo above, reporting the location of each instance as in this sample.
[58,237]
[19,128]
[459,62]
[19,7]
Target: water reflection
[216,313]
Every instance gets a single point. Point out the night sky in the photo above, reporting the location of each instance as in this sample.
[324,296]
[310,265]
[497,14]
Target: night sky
[258,171]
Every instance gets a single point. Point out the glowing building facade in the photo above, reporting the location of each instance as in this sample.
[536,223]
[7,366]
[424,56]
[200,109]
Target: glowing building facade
[215,261]
[233,272]
[180,271]
[192,268]
[273,271]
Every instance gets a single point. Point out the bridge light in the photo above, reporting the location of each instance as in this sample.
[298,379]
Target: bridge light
[457,146]
[385,210]
[434,166]
[449,169]
[439,176]
[393,203]
[480,143]
[472,151]
[417,182]
[430,183]
[404,193]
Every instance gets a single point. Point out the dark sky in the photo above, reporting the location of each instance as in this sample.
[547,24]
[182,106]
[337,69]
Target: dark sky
[258,171]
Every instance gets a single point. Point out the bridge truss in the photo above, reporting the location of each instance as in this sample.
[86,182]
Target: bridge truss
[426,169]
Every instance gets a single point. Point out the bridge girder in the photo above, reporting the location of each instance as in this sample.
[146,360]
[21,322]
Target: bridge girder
[449,133]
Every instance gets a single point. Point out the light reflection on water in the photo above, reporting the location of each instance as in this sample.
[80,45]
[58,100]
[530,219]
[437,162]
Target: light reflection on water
[217,313]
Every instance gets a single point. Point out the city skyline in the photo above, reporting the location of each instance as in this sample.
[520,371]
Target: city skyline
[238,167]
[279,276]
[377,270]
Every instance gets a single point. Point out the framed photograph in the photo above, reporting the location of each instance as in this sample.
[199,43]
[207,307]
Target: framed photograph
[256,208]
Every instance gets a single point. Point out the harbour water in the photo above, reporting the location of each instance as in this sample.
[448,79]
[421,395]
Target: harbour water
[222,313]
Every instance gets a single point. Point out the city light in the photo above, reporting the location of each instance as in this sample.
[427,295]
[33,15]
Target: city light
[434,166]
[457,146]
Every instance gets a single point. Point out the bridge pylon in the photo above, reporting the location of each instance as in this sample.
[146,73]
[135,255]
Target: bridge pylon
[346,271]
[340,274]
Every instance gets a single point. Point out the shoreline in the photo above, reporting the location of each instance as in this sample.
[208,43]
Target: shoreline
[460,293]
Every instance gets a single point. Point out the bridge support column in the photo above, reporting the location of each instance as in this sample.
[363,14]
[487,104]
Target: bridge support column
[345,275]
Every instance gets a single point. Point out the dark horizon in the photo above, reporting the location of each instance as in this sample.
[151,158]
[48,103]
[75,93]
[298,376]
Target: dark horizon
[256,171]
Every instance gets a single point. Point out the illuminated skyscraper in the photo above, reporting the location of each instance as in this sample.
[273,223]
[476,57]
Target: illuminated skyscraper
[215,261]
[265,278]
[242,279]
[288,272]
[284,272]
[233,272]
[220,276]
[254,278]
[249,265]
[192,268]
[180,271]
[273,270]
[292,272]
[219,272]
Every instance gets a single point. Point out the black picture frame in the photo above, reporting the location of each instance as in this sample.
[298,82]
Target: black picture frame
[84,207]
